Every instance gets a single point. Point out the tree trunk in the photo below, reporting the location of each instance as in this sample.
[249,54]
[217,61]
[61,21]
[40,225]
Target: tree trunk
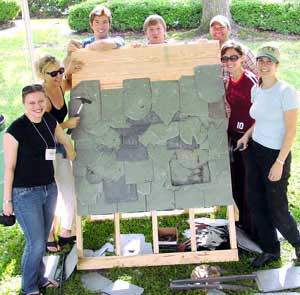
[210,8]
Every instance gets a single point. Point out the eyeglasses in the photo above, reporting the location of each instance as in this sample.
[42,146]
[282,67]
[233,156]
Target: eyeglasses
[225,59]
[32,88]
[55,73]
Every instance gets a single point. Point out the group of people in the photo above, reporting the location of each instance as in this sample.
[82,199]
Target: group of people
[262,116]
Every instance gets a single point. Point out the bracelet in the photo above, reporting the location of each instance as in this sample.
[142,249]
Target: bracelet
[7,201]
[280,161]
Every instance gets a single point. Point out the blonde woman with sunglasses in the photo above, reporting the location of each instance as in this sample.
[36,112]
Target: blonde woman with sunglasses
[56,81]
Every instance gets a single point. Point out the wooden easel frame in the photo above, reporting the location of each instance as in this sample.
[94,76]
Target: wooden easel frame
[155,259]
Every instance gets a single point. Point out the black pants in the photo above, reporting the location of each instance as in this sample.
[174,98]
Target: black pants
[239,184]
[268,200]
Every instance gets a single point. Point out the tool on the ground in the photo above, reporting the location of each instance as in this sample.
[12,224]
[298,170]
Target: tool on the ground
[83,100]
[212,283]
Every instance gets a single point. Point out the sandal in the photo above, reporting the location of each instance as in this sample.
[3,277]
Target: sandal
[50,284]
[64,241]
[53,245]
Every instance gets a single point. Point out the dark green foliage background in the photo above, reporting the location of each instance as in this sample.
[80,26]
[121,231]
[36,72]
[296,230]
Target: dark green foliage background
[279,17]
[8,10]
[130,14]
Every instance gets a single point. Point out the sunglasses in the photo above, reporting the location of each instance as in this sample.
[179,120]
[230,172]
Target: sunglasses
[55,73]
[225,59]
[32,88]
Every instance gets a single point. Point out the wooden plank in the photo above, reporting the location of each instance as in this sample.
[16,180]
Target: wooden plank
[117,234]
[154,232]
[231,227]
[161,62]
[192,229]
[89,263]
[79,238]
[94,218]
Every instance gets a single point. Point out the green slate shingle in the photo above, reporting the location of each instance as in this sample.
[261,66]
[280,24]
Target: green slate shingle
[190,102]
[165,99]
[137,98]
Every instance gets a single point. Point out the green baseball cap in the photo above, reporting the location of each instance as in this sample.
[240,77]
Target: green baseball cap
[270,52]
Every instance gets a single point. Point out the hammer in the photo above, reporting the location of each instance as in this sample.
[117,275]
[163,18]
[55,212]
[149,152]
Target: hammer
[83,100]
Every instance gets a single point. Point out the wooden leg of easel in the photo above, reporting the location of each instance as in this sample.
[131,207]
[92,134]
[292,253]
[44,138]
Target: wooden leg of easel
[117,234]
[193,229]
[155,232]
[231,227]
[236,213]
[79,238]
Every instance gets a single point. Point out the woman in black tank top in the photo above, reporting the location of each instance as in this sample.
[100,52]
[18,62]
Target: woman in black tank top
[56,81]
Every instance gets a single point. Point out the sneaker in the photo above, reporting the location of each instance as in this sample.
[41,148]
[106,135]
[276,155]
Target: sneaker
[264,258]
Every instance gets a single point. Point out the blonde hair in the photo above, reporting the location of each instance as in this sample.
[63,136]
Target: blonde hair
[43,63]
[154,19]
[100,10]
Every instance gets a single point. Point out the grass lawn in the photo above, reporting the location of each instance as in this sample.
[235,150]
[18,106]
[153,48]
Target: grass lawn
[51,36]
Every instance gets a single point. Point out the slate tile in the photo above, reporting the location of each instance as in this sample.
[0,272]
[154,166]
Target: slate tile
[119,191]
[158,134]
[165,99]
[85,192]
[106,166]
[138,205]
[104,135]
[192,128]
[121,287]
[216,109]
[209,89]
[160,158]
[160,198]
[138,172]
[137,98]
[188,172]
[94,282]
[144,188]
[82,209]
[102,206]
[90,113]
[190,102]
[113,112]
[189,196]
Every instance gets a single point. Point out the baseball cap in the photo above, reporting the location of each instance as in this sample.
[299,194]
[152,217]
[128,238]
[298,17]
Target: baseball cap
[270,52]
[101,10]
[221,19]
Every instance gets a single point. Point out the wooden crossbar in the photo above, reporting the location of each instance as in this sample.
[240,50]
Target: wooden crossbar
[87,263]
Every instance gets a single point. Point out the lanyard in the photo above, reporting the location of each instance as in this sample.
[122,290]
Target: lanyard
[41,134]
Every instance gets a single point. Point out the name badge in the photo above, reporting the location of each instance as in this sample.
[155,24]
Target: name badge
[50,154]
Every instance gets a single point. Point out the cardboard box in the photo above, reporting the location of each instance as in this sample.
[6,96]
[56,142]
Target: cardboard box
[167,236]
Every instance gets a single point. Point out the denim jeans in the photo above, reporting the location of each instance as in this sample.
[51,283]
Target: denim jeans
[34,209]
[268,199]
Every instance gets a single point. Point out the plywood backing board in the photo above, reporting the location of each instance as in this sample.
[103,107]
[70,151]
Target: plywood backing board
[159,62]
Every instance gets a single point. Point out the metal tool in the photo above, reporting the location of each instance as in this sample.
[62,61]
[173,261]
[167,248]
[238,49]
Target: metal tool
[83,100]
[239,147]
[212,283]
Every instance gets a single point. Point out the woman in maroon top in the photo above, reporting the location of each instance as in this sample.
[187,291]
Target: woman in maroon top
[56,81]
[238,97]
